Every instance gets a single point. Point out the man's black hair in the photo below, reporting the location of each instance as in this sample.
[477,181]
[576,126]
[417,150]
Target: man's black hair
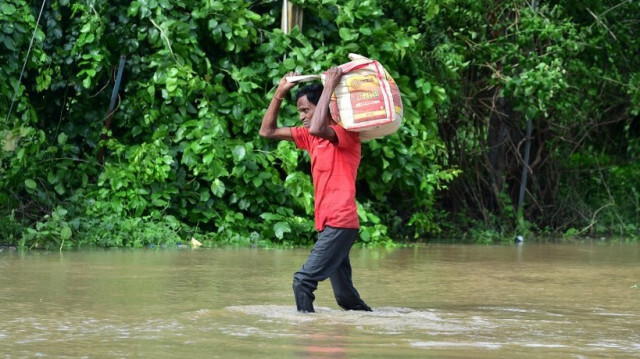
[312,92]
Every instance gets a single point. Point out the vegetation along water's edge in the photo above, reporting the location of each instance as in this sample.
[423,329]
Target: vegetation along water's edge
[136,123]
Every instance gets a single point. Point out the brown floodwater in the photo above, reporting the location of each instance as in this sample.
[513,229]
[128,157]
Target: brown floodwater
[436,301]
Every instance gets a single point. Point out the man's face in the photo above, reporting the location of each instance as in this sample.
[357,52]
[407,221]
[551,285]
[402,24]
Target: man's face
[305,109]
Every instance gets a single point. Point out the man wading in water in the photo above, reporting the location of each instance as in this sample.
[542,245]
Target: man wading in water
[335,156]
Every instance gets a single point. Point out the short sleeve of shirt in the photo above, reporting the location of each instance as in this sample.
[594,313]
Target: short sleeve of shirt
[301,137]
[346,138]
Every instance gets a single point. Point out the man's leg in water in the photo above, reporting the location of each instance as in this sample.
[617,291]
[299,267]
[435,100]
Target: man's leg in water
[346,294]
[326,256]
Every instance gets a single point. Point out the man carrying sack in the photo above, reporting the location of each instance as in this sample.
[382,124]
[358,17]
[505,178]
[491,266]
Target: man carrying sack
[335,157]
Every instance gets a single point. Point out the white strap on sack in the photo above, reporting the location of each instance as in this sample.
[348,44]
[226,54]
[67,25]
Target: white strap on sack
[303,78]
[354,57]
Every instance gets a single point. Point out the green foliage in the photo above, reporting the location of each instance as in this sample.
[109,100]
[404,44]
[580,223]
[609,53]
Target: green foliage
[182,151]
[53,230]
[64,230]
[183,141]
[571,70]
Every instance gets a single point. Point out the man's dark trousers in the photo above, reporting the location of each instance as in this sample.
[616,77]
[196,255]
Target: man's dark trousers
[329,258]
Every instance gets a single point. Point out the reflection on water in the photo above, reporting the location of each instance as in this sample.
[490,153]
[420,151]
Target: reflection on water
[445,301]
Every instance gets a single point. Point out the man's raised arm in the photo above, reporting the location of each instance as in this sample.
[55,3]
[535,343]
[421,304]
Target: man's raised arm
[269,127]
[319,126]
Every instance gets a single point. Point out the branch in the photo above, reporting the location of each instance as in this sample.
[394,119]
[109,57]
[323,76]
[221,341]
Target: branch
[601,23]
[614,7]
[593,219]
[167,39]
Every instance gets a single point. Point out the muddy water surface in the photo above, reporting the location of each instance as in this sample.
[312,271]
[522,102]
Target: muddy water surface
[439,301]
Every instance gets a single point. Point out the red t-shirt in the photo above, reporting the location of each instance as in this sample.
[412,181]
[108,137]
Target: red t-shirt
[334,169]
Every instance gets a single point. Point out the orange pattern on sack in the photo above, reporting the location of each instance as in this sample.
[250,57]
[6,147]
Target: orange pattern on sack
[366,98]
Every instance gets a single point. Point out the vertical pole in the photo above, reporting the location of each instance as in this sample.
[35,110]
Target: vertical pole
[284,23]
[291,16]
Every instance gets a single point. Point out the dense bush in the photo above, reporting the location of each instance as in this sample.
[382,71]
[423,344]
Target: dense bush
[568,70]
[183,141]
[180,155]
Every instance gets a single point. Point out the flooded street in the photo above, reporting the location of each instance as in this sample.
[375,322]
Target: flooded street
[440,301]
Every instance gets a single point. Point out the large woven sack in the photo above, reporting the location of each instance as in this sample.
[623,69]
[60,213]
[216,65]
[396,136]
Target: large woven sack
[366,100]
